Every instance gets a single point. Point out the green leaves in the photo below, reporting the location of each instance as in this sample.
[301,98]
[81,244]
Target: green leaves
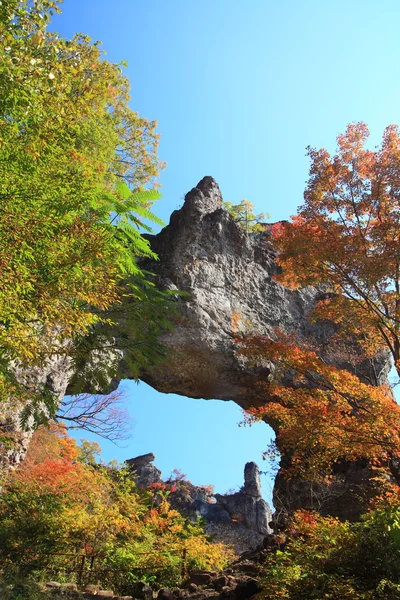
[77,172]
[123,190]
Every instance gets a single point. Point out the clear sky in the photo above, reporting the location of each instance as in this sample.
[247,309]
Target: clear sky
[239,89]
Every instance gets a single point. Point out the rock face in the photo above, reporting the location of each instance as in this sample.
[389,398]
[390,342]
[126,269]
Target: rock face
[240,519]
[145,472]
[227,276]
[228,279]
[54,375]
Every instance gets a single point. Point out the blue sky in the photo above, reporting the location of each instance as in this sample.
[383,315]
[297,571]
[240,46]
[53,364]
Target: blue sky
[239,89]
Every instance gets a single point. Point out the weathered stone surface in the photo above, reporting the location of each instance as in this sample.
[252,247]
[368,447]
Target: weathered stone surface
[241,519]
[145,473]
[164,594]
[53,375]
[247,589]
[53,585]
[228,276]
[252,485]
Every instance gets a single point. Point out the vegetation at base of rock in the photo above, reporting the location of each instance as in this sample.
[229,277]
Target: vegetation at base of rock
[59,502]
[78,173]
[324,558]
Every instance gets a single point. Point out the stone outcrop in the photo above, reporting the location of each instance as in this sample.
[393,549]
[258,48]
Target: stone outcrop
[227,276]
[53,376]
[240,519]
[145,473]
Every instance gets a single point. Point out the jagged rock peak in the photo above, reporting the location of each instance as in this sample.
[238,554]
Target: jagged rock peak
[252,485]
[206,197]
[145,473]
[240,519]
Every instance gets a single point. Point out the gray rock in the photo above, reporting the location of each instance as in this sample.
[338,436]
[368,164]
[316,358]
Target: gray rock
[164,594]
[143,471]
[247,589]
[228,278]
[240,519]
[252,484]
[53,585]
[200,578]
[232,293]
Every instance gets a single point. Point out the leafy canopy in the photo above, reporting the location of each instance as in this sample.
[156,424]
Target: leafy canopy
[78,173]
[324,415]
[244,214]
[60,501]
[325,559]
[346,235]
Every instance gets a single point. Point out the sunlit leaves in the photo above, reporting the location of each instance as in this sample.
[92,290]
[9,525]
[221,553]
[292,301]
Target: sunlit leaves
[59,500]
[325,558]
[75,167]
[323,415]
[346,235]
[244,214]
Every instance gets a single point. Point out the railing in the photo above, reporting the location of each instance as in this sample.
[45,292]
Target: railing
[87,566]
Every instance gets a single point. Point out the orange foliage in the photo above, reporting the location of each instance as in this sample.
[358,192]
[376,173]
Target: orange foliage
[347,235]
[52,463]
[326,414]
[55,502]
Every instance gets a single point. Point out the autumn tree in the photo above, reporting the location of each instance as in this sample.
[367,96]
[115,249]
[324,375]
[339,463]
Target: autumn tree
[322,415]
[345,239]
[78,173]
[346,236]
[244,214]
[60,500]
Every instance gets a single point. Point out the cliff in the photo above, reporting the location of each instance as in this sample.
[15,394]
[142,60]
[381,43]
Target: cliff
[239,519]
[227,276]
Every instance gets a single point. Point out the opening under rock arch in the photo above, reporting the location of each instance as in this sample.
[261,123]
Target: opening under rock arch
[200,438]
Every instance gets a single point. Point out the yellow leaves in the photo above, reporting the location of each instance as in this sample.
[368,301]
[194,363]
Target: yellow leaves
[100,511]
[208,556]
[326,414]
[346,232]
[38,38]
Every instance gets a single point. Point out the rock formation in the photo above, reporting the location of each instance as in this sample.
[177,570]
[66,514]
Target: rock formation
[240,519]
[228,279]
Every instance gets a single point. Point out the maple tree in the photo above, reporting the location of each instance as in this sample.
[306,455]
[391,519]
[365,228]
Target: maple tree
[324,415]
[344,239]
[346,236]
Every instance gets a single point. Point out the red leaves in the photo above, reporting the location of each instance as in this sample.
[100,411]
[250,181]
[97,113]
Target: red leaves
[347,233]
[326,414]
